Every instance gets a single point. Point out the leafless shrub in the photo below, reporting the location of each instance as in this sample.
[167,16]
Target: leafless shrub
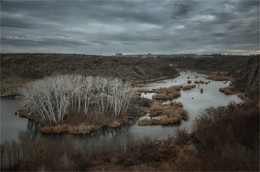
[181,136]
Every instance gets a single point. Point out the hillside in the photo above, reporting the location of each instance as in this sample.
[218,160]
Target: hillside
[17,69]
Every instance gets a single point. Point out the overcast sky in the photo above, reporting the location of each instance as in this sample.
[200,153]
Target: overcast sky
[134,26]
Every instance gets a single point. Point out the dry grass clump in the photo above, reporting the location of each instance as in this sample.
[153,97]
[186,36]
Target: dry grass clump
[118,122]
[189,81]
[188,87]
[140,90]
[199,82]
[157,109]
[162,96]
[228,90]
[170,114]
[179,104]
[82,128]
[164,93]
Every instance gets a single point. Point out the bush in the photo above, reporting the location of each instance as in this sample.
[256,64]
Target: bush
[181,136]
[228,137]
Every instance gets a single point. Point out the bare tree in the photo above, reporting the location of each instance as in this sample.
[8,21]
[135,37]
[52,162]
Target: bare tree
[54,97]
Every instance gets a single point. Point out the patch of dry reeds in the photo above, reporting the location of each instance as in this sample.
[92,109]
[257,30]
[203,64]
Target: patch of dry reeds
[170,114]
[199,82]
[228,90]
[169,93]
[188,87]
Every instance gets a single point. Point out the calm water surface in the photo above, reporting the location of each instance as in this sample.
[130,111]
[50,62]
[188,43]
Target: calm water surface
[14,128]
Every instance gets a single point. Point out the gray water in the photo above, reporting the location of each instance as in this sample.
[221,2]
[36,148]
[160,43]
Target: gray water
[194,101]
[15,128]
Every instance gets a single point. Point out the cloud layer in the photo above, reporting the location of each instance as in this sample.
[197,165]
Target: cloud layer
[108,27]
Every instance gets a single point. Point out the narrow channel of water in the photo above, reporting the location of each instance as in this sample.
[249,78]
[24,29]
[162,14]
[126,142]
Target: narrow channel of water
[14,128]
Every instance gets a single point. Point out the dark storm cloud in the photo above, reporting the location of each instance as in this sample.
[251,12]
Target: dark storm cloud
[20,41]
[181,10]
[137,26]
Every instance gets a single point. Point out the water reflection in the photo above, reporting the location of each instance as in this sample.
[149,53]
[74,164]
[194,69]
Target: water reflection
[33,130]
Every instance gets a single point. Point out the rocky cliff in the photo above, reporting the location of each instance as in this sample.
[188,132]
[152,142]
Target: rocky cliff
[247,78]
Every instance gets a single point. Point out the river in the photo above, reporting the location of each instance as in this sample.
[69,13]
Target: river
[15,128]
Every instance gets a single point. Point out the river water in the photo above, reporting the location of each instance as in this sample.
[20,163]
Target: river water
[15,128]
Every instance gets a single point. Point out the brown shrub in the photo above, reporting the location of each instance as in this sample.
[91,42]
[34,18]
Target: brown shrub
[228,138]
[182,137]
